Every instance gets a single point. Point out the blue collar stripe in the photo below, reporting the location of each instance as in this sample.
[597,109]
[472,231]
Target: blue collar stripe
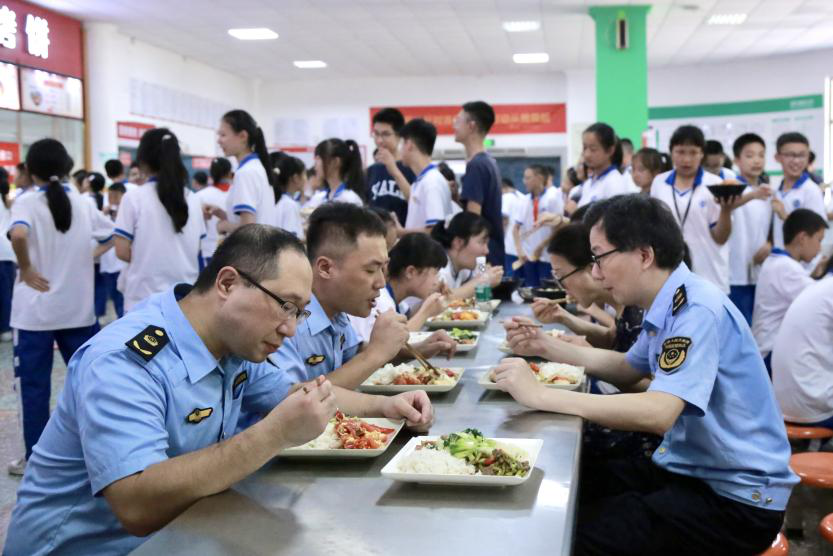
[247,158]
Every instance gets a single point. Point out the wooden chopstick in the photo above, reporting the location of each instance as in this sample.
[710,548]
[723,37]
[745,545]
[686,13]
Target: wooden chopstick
[418,356]
[527,324]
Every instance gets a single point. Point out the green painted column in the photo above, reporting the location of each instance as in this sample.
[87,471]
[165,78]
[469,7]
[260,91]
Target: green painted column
[622,75]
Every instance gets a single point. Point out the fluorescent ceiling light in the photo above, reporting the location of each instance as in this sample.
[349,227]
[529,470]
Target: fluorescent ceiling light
[309,64]
[255,34]
[531,58]
[727,19]
[521,26]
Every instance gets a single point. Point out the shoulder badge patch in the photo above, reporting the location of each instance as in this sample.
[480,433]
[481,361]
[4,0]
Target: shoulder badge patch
[680,299]
[198,415]
[315,359]
[148,342]
[238,383]
[673,354]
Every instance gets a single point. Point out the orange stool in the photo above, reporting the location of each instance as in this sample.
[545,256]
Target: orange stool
[826,528]
[814,435]
[779,547]
[814,468]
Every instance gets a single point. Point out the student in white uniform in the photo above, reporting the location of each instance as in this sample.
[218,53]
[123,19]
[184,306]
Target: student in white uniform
[783,276]
[706,222]
[413,273]
[748,244]
[797,190]
[465,239]
[290,177]
[339,163]
[252,196]
[92,187]
[111,265]
[602,155]
[646,165]
[214,195]
[531,238]
[714,161]
[8,262]
[430,197]
[512,202]
[160,225]
[802,357]
[51,231]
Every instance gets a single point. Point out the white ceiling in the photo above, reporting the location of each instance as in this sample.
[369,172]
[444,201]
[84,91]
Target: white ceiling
[394,38]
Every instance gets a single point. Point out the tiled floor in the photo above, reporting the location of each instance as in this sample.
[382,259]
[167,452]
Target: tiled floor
[11,447]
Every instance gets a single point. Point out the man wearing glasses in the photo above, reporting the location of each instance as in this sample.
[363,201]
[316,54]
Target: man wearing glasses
[145,424]
[797,190]
[720,480]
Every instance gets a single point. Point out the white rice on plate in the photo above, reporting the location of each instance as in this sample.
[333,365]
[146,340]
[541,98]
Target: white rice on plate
[434,462]
[328,440]
[571,372]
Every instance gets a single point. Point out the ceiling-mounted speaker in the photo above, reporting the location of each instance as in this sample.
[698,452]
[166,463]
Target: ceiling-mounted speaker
[621,33]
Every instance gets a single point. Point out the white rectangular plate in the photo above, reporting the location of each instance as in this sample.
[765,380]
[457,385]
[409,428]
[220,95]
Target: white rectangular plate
[504,345]
[397,388]
[486,383]
[530,445]
[417,337]
[341,453]
[434,323]
[490,305]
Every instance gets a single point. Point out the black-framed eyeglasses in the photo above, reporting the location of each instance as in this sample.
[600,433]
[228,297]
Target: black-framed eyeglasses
[597,259]
[560,279]
[290,310]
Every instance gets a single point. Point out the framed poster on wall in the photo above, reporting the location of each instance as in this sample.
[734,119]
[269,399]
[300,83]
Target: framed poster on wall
[50,93]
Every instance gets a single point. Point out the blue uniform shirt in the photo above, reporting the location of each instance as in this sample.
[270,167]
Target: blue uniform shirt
[319,347]
[730,434]
[122,410]
[481,184]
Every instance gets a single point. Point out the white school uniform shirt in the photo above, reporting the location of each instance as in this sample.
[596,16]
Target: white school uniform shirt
[430,199]
[804,194]
[551,201]
[727,174]
[109,263]
[288,216]
[340,195]
[160,257]
[451,277]
[511,205]
[696,211]
[64,259]
[802,356]
[6,251]
[782,278]
[750,229]
[608,184]
[211,196]
[250,192]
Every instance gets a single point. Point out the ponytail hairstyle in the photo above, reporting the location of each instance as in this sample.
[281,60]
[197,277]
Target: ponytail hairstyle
[239,121]
[608,139]
[285,167]
[220,169]
[159,152]
[352,167]
[464,225]
[97,182]
[653,160]
[4,186]
[49,161]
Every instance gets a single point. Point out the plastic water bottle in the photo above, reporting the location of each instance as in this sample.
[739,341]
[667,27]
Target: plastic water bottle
[483,289]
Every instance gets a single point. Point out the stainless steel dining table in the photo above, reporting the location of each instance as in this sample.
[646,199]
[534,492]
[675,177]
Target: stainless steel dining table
[345,507]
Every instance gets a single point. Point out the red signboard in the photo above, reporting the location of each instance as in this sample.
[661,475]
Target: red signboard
[509,118]
[132,131]
[38,38]
[201,163]
[9,156]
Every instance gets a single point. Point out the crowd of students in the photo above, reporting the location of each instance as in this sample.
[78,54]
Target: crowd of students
[388,246]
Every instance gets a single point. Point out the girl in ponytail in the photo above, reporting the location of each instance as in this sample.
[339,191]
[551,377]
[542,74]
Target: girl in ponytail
[290,174]
[254,191]
[52,226]
[465,239]
[340,163]
[159,225]
[602,153]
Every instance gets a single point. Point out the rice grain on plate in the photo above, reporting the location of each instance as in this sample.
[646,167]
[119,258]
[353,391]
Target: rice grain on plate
[435,462]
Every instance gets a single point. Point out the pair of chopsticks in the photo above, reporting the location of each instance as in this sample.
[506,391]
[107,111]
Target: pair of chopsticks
[418,356]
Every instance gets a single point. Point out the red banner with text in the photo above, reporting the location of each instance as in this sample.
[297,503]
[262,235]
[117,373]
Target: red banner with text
[509,118]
